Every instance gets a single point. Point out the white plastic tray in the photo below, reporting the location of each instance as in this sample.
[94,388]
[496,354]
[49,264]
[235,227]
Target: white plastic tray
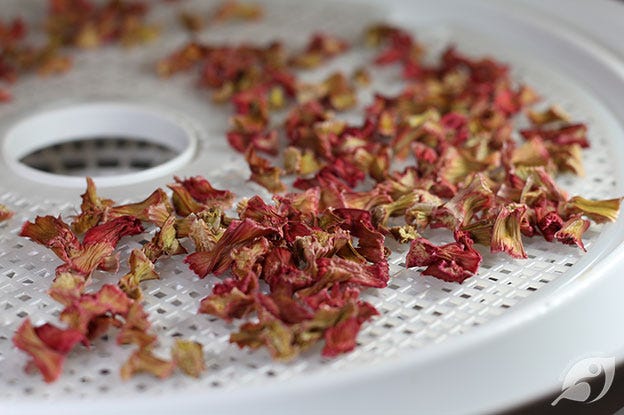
[502,338]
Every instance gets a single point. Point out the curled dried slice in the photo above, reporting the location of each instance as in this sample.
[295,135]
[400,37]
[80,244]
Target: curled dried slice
[165,242]
[320,48]
[5,213]
[599,211]
[93,208]
[145,361]
[263,173]
[141,269]
[156,208]
[218,260]
[89,307]
[236,10]
[231,299]
[571,232]
[454,262]
[506,233]
[47,346]
[188,356]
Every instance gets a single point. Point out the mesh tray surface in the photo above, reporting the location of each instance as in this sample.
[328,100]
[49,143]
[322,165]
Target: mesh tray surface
[415,311]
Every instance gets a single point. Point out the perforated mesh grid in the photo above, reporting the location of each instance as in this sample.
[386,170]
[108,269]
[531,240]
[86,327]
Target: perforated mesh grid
[415,310]
[99,156]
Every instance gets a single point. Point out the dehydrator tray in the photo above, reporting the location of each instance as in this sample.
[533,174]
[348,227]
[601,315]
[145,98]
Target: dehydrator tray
[501,338]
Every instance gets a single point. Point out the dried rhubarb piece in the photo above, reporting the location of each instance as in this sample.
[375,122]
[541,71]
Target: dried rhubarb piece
[465,204]
[67,287]
[12,31]
[506,234]
[335,92]
[47,346]
[400,47]
[599,211]
[5,96]
[245,266]
[93,209]
[370,241]
[135,328]
[370,200]
[538,185]
[165,242]
[453,262]
[111,232]
[96,250]
[303,205]
[565,135]
[191,22]
[280,271]
[572,230]
[333,270]
[156,208]
[265,141]
[205,230]
[567,158]
[263,214]
[455,165]
[91,257]
[181,60]
[251,123]
[188,356]
[52,233]
[320,48]
[235,10]
[302,125]
[145,361]
[301,162]
[50,62]
[383,212]
[553,114]
[141,269]
[263,173]
[341,172]
[284,306]
[231,299]
[218,260]
[361,76]
[5,213]
[82,258]
[269,332]
[81,313]
[533,152]
[341,338]
[195,194]
[548,222]
[404,234]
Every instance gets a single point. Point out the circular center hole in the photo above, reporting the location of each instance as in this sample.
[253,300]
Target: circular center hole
[116,144]
[99,156]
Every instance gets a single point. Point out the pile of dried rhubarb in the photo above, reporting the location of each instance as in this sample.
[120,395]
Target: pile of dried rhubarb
[69,24]
[445,152]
